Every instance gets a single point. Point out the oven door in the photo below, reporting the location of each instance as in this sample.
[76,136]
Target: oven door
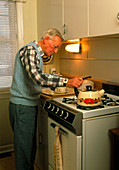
[71,147]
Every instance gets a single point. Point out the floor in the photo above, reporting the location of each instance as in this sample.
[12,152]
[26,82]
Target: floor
[7,162]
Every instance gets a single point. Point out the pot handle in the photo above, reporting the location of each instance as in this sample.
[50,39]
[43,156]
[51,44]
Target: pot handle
[86,77]
[76,91]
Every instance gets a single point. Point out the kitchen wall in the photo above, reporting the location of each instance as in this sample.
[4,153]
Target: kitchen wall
[55,63]
[30,31]
[99,58]
[31,28]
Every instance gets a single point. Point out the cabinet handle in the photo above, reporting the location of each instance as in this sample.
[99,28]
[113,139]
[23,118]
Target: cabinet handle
[40,138]
[118,16]
[60,129]
[64,26]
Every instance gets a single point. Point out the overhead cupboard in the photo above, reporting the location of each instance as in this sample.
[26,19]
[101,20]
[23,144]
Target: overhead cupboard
[79,18]
[49,15]
[88,18]
[103,17]
[74,19]
[69,17]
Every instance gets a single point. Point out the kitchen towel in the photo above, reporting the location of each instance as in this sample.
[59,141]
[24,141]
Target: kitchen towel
[58,164]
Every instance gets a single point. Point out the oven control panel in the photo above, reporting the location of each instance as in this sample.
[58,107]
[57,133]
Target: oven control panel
[59,112]
[64,115]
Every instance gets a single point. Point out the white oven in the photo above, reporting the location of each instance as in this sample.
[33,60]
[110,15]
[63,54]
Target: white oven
[85,138]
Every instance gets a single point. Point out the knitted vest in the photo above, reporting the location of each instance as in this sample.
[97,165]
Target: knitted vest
[24,90]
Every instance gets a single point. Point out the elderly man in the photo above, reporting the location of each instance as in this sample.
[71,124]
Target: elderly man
[28,79]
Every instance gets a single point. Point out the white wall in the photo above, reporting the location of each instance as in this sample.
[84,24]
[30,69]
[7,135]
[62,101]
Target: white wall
[30,21]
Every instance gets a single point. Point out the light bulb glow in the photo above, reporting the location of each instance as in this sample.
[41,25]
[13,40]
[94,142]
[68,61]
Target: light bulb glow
[72,48]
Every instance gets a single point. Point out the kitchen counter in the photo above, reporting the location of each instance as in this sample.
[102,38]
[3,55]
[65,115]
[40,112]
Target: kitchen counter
[97,85]
[54,96]
[49,94]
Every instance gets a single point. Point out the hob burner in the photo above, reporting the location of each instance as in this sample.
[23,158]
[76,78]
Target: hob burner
[106,101]
[89,108]
[74,101]
[109,101]
[69,100]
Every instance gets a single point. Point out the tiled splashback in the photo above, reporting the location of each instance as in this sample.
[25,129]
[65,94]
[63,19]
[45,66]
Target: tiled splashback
[99,58]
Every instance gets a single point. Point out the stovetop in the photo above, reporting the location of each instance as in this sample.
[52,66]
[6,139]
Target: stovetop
[109,107]
[69,116]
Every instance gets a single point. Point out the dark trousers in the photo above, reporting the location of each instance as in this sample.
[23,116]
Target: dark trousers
[23,120]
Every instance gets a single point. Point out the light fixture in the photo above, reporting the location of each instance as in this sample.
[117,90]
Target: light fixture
[74,48]
[73,41]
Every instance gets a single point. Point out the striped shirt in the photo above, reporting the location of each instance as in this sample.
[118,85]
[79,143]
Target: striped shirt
[30,61]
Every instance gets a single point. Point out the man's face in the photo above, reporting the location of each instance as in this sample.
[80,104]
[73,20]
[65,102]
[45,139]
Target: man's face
[51,45]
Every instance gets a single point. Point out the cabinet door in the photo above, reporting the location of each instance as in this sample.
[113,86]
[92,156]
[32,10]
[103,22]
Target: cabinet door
[97,142]
[103,17]
[42,138]
[49,15]
[75,19]
[6,134]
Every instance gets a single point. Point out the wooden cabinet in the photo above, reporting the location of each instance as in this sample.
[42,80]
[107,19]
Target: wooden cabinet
[103,17]
[114,135]
[75,19]
[49,15]
[42,137]
[6,134]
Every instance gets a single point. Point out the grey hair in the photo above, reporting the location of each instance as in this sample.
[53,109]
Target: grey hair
[52,32]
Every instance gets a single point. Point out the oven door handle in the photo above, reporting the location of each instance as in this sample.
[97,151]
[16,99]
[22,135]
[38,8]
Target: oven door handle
[60,129]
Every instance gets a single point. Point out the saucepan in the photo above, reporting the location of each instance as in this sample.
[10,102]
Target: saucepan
[88,97]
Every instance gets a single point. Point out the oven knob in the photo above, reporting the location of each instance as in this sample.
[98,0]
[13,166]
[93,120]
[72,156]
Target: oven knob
[57,110]
[61,113]
[53,108]
[67,114]
[49,106]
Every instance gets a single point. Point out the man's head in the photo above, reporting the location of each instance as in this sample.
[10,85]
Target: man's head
[52,41]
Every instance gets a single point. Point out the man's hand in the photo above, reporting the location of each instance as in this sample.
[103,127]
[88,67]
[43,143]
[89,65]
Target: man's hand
[75,82]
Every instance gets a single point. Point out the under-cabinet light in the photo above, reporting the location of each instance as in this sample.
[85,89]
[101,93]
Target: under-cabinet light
[74,48]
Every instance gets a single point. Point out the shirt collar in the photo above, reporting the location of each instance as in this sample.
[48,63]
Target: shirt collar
[39,48]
